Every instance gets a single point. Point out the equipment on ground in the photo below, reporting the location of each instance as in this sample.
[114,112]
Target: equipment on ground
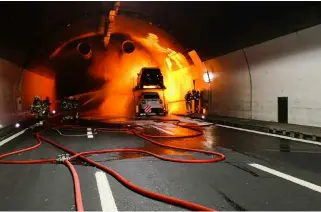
[69,107]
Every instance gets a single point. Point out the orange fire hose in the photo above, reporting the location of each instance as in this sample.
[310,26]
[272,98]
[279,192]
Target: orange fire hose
[75,177]
[133,187]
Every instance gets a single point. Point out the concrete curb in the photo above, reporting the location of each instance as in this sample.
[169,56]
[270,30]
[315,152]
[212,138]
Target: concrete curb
[265,129]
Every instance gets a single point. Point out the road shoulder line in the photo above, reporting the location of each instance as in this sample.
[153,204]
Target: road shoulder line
[6,140]
[270,134]
[295,180]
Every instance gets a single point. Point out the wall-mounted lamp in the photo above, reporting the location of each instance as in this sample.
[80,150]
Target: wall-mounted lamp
[208,77]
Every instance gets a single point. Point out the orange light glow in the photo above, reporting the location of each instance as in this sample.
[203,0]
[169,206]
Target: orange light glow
[177,82]
[155,48]
[119,73]
[34,84]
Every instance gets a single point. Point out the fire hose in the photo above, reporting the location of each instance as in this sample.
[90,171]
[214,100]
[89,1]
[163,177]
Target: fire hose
[140,133]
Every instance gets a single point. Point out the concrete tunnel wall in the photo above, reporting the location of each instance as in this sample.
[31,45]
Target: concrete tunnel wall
[288,66]
[32,84]
[9,77]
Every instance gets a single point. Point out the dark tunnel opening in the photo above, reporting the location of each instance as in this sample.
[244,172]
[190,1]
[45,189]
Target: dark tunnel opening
[83,48]
[128,47]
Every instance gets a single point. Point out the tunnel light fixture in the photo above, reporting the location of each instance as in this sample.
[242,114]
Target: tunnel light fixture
[53,111]
[1,125]
[208,77]
[17,125]
[150,86]
[203,117]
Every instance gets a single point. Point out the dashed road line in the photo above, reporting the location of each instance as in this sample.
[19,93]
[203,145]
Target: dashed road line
[105,194]
[4,141]
[89,133]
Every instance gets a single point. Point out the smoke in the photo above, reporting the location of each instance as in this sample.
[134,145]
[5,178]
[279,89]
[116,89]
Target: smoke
[119,72]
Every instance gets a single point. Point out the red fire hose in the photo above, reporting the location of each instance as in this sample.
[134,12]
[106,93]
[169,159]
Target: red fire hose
[133,187]
[75,177]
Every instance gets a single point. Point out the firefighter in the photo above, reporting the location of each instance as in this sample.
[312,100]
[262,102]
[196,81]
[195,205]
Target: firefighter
[37,108]
[46,105]
[188,101]
[196,97]
[36,105]
[47,102]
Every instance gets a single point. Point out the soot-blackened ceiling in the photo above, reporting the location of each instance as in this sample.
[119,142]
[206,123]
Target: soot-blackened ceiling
[211,28]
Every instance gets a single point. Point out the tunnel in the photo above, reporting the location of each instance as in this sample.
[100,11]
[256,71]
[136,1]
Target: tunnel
[99,52]
[236,81]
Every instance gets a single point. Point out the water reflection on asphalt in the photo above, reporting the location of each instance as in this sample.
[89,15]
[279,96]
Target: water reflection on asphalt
[206,141]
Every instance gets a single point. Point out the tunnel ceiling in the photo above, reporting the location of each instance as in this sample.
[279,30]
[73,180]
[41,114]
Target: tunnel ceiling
[211,28]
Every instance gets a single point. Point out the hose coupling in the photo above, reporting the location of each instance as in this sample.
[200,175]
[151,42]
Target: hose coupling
[62,157]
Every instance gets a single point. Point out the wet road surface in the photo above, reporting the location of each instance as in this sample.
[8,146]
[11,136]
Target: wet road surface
[232,184]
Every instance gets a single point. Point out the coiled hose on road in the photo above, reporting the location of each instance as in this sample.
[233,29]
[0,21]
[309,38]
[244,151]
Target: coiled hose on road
[131,186]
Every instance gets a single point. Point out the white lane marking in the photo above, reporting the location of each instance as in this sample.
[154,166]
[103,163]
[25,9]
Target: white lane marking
[273,135]
[89,133]
[105,194]
[4,141]
[165,131]
[287,177]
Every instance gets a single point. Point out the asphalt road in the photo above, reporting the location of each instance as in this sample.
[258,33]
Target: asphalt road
[233,184]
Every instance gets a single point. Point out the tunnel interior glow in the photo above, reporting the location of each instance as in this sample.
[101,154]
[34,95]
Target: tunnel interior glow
[134,44]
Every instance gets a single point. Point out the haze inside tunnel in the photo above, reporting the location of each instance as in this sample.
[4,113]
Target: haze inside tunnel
[106,80]
[119,71]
